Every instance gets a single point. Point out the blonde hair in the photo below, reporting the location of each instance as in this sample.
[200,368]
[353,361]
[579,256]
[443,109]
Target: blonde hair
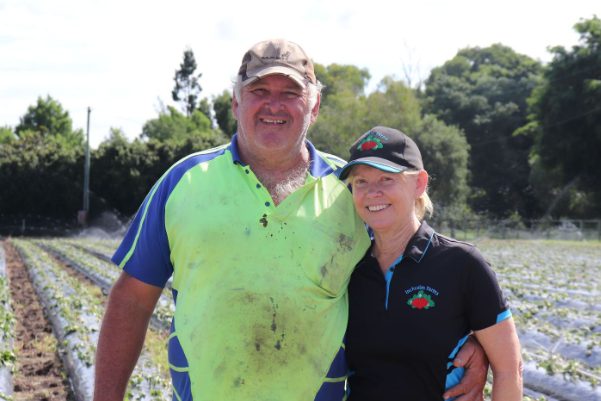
[422,206]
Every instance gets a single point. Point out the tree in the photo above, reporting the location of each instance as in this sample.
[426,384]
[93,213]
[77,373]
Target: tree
[40,176]
[348,113]
[187,88]
[6,135]
[341,78]
[116,135]
[444,148]
[172,125]
[566,125]
[222,104]
[48,119]
[205,108]
[483,91]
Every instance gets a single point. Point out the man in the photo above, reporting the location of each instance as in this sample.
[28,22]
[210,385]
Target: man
[261,238]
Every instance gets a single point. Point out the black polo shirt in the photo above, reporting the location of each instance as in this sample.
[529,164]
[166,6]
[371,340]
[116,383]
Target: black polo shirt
[406,326]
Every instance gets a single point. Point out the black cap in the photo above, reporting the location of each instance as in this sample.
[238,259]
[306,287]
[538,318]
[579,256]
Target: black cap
[386,149]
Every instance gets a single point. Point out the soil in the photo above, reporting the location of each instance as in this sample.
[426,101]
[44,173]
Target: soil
[81,277]
[40,374]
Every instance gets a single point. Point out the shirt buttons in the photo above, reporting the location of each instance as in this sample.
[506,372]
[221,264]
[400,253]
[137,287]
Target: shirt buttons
[258,185]
[247,172]
[267,203]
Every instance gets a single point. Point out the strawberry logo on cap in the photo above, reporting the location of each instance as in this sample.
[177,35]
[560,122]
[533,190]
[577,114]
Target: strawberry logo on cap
[421,301]
[370,143]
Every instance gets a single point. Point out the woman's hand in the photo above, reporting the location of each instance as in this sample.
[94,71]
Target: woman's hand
[472,357]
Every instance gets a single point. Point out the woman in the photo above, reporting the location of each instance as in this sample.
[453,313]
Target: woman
[416,295]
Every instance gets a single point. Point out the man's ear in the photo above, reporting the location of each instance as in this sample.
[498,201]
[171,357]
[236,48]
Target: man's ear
[235,106]
[315,110]
[421,182]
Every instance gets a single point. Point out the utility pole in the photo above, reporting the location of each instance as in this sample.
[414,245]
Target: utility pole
[82,217]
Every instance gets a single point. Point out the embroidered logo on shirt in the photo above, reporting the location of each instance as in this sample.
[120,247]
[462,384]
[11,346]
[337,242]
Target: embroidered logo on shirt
[421,301]
[370,143]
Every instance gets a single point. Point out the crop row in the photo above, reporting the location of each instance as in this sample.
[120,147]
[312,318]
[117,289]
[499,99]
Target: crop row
[75,310]
[7,321]
[104,274]
[101,249]
[554,293]
[553,289]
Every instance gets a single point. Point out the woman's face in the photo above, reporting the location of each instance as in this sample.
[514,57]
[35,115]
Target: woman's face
[384,200]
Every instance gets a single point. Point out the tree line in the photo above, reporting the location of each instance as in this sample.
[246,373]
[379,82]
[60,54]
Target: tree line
[501,135]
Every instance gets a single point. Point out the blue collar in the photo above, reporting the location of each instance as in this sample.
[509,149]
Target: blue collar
[319,167]
[418,245]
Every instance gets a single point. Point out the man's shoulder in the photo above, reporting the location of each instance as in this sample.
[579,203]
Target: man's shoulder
[334,162]
[333,159]
[170,179]
[186,163]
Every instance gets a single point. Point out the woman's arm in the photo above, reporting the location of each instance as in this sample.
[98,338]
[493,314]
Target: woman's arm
[502,347]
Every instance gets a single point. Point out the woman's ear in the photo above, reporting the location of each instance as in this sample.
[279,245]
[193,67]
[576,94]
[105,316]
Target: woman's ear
[421,182]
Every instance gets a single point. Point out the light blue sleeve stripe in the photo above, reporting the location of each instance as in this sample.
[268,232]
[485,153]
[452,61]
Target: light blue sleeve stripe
[459,344]
[454,378]
[456,374]
[504,315]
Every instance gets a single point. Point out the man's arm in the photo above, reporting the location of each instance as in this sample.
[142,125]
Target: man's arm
[130,306]
[472,357]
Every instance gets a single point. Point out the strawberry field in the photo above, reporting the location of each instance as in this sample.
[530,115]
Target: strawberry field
[553,288]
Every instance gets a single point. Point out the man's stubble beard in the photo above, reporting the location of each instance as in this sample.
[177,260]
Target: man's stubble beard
[281,186]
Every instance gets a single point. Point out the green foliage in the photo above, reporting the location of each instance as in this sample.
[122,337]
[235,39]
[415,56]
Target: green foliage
[48,119]
[173,125]
[222,104]
[347,114]
[566,126]
[41,176]
[187,88]
[123,173]
[341,78]
[205,108]
[483,91]
[6,135]
[116,135]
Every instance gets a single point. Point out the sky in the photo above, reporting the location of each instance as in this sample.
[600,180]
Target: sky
[119,57]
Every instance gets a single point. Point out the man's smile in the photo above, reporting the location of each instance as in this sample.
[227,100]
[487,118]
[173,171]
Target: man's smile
[272,121]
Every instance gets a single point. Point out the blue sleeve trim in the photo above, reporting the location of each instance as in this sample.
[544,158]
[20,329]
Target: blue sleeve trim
[456,374]
[144,252]
[459,345]
[454,378]
[504,315]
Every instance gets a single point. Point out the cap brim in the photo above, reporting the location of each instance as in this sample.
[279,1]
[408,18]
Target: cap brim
[390,167]
[272,70]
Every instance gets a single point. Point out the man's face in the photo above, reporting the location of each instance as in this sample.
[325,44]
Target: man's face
[273,116]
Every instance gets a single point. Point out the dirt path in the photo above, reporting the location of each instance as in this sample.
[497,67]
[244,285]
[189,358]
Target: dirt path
[40,375]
